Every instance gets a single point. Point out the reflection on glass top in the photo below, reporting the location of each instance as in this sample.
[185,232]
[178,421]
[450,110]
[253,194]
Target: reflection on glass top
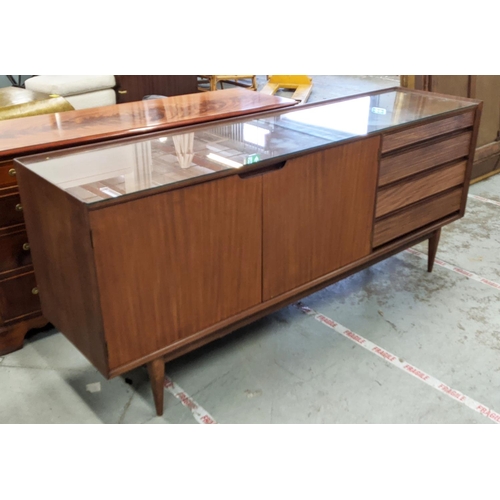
[100,172]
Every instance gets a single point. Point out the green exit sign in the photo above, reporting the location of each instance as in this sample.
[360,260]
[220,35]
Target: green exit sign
[252,159]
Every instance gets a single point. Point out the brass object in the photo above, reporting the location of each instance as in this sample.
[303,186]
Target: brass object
[26,246]
[122,91]
[34,291]
[31,108]
[12,172]
[19,207]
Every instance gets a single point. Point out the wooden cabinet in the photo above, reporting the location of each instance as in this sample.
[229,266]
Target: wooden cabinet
[160,243]
[19,307]
[134,87]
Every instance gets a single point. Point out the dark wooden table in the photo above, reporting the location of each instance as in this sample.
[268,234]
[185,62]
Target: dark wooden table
[123,120]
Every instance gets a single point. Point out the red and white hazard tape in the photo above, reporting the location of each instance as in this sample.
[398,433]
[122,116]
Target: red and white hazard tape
[201,415]
[451,267]
[486,200]
[401,364]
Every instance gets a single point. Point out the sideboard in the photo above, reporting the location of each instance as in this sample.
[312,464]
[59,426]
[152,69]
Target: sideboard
[148,247]
[20,308]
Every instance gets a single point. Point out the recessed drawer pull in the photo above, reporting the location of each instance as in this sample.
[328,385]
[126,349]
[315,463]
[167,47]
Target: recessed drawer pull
[12,172]
[26,246]
[19,207]
[263,170]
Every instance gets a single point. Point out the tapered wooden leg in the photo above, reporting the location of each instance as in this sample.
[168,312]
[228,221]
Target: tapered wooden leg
[156,371]
[433,246]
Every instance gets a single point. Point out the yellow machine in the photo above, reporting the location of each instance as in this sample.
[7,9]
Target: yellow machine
[301,83]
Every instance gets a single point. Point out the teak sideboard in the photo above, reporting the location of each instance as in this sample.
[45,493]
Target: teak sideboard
[20,308]
[149,247]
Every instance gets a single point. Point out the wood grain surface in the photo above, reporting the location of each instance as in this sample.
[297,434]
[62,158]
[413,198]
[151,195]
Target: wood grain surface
[62,254]
[135,87]
[82,126]
[401,194]
[404,164]
[416,216]
[172,264]
[12,252]
[16,297]
[318,214]
[419,133]
[11,209]
[7,175]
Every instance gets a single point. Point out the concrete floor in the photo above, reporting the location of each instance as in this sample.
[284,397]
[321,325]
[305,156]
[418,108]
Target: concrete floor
[290,368]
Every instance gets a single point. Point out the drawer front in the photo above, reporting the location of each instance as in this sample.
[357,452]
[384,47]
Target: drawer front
[7,174]
[416,216]
[11,212]
[404,164]
[397,140]
[17,297]
[402,194]
[14,251]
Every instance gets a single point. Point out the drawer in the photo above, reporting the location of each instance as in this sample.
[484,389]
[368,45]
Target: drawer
[18,297]
[416,216]
[397,140]
[7,174]
[429,155]
[14,251]
[402,194]
[11,211]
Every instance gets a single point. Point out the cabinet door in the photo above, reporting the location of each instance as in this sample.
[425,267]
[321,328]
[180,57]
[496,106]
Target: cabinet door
[318,214]
[175,263]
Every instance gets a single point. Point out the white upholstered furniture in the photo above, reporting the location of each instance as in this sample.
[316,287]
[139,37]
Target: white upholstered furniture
[81,91]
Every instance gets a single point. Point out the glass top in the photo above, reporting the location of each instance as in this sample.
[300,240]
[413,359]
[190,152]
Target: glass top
[102,172]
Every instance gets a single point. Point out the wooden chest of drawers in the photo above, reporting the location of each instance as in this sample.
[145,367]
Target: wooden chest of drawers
[175,239]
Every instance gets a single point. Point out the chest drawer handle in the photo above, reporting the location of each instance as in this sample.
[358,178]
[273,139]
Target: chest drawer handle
[26,246]
[19,207]
[34,291]
[12,172]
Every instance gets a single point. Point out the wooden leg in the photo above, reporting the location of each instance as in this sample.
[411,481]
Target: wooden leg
[433,246]
[156,371]
[12,337]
